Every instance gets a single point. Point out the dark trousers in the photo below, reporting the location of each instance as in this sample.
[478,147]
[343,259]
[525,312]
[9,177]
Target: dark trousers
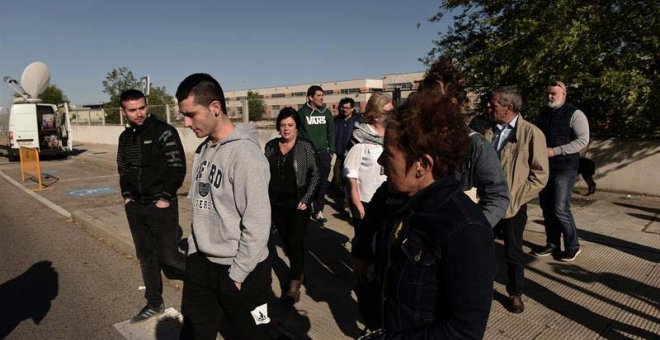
[211,300]
[155,235]
[337,173]
[357,221]
[512,229]
[555,201]
[291,224]
[324,159]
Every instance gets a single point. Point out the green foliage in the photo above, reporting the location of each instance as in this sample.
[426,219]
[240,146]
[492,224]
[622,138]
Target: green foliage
[256,105]
[120,79]
[606,52]
[53,95]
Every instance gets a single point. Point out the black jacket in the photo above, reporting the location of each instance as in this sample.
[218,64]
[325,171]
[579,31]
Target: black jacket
[308,178]
[434,262]
[151,161]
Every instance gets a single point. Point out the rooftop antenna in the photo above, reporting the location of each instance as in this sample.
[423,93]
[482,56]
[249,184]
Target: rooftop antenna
[34,82]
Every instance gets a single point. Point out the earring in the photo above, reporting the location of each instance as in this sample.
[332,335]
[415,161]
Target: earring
[418,174]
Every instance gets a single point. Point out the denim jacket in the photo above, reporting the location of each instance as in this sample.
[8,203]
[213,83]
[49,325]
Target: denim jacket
[434,262]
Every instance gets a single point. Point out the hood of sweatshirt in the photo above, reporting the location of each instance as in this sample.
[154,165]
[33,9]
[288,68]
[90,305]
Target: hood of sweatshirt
[308,109]
[242,132]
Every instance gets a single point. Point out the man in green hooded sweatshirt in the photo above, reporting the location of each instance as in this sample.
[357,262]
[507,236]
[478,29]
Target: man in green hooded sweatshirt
[318,128]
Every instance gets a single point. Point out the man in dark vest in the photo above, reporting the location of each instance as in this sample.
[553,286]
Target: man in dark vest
[567,132]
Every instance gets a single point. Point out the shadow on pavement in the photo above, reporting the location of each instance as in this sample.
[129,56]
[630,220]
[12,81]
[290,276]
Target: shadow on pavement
[619,283]
[635,249]
[28,296]
[568,308]
[328,279]
[639,207]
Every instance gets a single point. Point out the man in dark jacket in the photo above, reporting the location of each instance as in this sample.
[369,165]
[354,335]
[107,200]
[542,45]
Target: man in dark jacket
[567,132]
[152,166]
[344,125]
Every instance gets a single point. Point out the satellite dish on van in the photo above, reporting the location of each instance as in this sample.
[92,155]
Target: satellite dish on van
[35,79]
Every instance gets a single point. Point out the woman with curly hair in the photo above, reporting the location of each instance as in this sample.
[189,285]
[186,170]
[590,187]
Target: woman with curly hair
[294,180]
[431,245]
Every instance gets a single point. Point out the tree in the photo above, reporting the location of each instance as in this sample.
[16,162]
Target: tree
[53,95]
[121,79]
[256,105]
[606,51]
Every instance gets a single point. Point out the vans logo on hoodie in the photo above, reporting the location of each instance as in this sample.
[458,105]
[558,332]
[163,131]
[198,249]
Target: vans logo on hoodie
[315,120]
[148,141]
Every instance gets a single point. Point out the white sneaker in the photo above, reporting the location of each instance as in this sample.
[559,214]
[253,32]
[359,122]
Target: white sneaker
[320,218]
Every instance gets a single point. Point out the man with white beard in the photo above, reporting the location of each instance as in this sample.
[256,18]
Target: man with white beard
[567,132]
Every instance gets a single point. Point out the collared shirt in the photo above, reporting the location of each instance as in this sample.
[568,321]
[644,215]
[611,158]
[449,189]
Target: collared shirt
[503,132]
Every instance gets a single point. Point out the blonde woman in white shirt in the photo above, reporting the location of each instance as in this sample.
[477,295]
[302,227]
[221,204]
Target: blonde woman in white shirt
[363,173]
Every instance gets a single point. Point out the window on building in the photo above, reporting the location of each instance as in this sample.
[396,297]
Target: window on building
[277,95]
[327,92]
[375,89]
[276,107]
[403,86]
[298,94]
[353,90]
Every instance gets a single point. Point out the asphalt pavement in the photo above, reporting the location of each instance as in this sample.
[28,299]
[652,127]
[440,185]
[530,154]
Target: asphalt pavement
[611,291]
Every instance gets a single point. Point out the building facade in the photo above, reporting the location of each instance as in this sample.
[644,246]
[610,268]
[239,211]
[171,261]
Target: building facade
[279,97]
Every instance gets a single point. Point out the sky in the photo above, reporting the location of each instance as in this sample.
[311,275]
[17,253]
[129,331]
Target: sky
[243,44]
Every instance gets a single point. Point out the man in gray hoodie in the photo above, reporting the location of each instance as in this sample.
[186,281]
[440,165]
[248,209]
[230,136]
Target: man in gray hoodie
[228,272]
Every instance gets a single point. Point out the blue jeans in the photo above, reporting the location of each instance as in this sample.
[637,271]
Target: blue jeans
[555,201]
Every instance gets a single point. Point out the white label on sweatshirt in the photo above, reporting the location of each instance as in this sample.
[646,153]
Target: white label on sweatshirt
[260,314]
[315,120]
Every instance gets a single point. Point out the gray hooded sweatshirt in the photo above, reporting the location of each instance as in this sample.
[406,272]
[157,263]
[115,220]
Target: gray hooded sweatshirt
[231,208]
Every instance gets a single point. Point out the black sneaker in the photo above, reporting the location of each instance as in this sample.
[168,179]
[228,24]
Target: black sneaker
[147,312]
[545,251]
[570,255]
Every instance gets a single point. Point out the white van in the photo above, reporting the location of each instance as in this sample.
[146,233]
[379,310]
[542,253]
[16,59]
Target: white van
[36,125]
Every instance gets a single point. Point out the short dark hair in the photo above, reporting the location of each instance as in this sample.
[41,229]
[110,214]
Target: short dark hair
[346,100]
[131,94]
[286,113]
[205,89]
[311,91]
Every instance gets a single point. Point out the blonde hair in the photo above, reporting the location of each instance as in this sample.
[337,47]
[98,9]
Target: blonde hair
[375,106]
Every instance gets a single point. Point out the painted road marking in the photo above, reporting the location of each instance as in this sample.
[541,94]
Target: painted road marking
[93,192]
[85,178]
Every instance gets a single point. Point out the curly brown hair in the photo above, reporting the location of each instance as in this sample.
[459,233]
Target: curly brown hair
[443,78]
[431,124]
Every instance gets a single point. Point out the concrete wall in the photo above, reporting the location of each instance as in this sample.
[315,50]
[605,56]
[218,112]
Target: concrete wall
[109,134]
[629,166]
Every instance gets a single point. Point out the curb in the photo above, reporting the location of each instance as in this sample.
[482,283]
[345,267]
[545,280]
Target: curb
[102,230]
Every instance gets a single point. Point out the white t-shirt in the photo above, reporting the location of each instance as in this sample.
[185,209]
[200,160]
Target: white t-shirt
[361,163]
